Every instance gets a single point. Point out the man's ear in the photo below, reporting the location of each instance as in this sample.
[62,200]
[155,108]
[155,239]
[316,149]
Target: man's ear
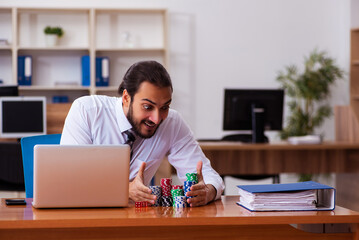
[126,98]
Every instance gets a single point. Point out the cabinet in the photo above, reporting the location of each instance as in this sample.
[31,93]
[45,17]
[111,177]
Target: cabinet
[123,35]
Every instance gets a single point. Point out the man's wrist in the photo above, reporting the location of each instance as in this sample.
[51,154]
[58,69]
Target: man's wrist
[212,192]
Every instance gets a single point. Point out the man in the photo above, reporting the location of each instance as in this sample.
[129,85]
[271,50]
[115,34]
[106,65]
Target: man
[143,110]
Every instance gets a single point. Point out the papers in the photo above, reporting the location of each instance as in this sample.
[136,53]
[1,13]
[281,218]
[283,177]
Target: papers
[308,139]
[301,200]
[287,197]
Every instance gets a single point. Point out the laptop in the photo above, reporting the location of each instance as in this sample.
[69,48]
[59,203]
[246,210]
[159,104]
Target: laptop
[80,176]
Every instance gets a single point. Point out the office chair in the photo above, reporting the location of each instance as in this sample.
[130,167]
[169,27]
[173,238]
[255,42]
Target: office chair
[27,149]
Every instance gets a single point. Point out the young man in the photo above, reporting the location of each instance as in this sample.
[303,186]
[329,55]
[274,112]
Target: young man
[156,132]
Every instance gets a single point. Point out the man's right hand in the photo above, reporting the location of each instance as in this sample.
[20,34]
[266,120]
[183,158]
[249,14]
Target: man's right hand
[138,192]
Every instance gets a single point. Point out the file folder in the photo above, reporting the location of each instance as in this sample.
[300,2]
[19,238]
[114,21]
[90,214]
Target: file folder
[85,64]
[302,196]
[24,70]
[102,71]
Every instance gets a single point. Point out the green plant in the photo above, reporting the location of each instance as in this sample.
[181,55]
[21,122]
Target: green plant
[54,30]
[308,92]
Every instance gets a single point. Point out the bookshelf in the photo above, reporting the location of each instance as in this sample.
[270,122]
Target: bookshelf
[123,35]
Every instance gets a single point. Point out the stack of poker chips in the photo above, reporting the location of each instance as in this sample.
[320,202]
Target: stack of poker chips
[157,191]
[141,204]
[177,191]
[192,179]
[166,199]
[180,202]
[169,195]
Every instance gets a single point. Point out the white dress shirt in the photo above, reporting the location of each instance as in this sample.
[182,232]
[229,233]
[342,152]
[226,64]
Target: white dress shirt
[100,120]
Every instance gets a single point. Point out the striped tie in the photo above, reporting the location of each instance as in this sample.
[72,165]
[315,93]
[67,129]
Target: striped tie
[130,140]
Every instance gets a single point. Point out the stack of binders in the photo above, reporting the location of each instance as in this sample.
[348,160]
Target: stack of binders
[302,196]
[102,71]
[24,70]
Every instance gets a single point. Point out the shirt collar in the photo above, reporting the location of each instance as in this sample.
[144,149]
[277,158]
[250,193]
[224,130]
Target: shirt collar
[122,120]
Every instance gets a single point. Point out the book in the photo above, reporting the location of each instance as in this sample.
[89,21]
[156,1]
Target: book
[301,196]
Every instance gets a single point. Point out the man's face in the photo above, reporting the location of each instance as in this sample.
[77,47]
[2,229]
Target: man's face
[148,109]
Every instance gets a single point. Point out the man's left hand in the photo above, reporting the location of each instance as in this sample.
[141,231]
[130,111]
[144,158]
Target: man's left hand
[202,193]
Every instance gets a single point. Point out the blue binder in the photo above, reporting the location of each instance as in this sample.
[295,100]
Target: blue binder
[24,70]
[325,194]
[102,71]
[98,71]
[105,71]
[85,65]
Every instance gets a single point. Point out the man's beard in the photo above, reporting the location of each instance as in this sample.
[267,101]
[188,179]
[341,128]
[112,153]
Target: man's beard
[136,126]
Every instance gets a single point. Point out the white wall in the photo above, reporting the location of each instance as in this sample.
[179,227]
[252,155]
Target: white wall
[238,44]
[354,13]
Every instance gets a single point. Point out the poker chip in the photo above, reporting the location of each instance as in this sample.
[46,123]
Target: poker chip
[180,202]
[166,185]
[187,187]
[177,186]
[166,201]
[157,191]
[176,192]
[192,177]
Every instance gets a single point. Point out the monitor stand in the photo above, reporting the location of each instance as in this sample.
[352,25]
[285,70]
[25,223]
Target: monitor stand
[257,135]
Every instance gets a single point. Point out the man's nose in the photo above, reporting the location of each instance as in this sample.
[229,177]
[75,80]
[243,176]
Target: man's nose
[155,117]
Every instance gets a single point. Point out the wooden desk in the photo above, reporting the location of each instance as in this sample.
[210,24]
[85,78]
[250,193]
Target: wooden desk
[218,220]
[230,158]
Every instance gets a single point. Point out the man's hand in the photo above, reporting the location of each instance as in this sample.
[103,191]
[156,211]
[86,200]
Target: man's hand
[138,192]
[202,193]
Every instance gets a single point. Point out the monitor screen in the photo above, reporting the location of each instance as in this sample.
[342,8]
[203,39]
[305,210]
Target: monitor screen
[22,116]
[238,105]
[9,90]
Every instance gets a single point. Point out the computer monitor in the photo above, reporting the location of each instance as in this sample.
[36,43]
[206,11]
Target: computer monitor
[22,116]
[252,109]
[9,90]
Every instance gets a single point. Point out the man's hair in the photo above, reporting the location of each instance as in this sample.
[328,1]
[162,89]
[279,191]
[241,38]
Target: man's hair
[150,71]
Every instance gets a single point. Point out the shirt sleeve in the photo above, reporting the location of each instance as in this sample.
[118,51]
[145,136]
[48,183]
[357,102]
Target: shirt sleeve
[185,153]
[76,129]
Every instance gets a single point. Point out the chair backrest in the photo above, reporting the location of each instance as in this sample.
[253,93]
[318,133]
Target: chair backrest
[27,149]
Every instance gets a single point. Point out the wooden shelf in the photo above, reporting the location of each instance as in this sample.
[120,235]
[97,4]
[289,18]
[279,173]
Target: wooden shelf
[130,49]
[355,63]
[54,88]
[5,47]
[57,48]
[109,89]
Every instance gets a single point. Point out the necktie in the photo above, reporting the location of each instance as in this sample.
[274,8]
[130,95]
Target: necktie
[130,140]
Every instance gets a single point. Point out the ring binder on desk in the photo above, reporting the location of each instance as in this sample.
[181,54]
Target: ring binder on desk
[302,196]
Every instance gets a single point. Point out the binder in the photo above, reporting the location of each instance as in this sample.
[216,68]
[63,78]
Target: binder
[102,71]
[287,197]
[98,71]
[85,65]
[105,71]
[24,71]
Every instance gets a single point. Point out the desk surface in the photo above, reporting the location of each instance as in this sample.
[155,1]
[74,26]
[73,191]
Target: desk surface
[227,145]
[221,212]
[222,219]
